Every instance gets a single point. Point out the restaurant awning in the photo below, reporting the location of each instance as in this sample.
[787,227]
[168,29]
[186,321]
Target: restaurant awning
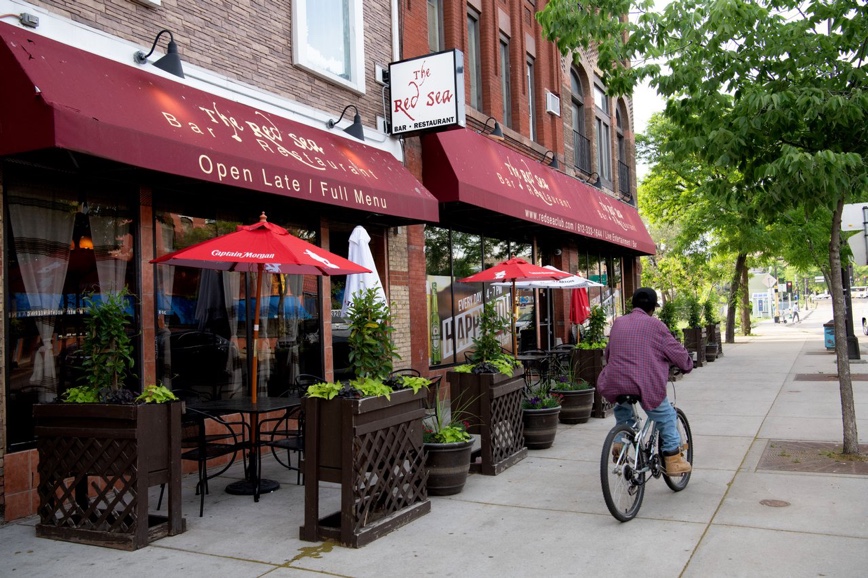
[463,166]
[57,96]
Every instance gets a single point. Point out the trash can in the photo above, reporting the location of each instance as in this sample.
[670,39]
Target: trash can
[829,334]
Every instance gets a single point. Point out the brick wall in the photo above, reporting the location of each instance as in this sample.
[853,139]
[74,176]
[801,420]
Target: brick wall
[399,295]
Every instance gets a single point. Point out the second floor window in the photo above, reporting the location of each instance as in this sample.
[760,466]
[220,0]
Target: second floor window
[435,25]
[328,40]
[474,66]
[531,100]
[505,85]
[604,134]
[581,143]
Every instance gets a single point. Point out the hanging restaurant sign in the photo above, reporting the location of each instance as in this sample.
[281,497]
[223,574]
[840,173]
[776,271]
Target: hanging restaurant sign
[427,92]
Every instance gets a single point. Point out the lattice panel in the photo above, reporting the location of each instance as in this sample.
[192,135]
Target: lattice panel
[71,496]
[506,429]
[388,473]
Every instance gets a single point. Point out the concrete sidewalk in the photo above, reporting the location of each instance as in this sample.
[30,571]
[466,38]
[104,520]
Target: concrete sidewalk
[545,516]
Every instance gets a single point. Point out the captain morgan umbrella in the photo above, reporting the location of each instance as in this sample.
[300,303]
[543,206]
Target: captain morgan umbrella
[261,247]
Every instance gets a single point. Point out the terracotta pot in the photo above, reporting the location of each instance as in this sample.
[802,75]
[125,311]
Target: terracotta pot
[540,427]
[448,466]
[576,406]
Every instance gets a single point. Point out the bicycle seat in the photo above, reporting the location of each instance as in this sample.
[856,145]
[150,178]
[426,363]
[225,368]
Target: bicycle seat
[632,399]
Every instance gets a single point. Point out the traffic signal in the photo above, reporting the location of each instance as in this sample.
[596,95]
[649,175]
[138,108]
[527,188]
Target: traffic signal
[789,286]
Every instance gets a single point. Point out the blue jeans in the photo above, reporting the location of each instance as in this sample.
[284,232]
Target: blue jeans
[665,417]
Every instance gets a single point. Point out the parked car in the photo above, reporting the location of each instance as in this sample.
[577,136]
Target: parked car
[823,295]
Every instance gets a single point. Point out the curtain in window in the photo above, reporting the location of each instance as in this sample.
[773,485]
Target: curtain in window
[42,230]
[328,35]
[112,249]
[232,300]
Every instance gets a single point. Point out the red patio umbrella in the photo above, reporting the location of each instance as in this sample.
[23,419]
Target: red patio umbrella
[515,269]
[261,247]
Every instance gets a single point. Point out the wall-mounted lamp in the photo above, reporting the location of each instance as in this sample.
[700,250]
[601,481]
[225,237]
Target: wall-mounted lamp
[356,129]
[553,163]
[495,133]
[171,62]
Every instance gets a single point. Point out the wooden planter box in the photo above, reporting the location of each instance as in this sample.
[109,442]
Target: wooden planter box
[712,333]
[96,463]
[587,364]
[695,341]
[492,403]
[372,447]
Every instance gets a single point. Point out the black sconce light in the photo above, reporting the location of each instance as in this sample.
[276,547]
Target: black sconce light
[495,133]
[553,163]
[356,129]
[171,62]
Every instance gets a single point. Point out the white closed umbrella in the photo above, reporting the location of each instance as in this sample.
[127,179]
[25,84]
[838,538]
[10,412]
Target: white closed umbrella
[360,254]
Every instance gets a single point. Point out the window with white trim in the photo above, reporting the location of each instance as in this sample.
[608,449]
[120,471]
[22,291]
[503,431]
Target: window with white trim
[328,40]
[531,100]
[604,134]
[435,25]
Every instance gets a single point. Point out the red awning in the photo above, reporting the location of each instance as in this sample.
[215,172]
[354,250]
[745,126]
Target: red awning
[55,95]
[461,165]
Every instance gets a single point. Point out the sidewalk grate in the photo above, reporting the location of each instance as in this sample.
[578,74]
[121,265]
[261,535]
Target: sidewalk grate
[811,457]
[828,377]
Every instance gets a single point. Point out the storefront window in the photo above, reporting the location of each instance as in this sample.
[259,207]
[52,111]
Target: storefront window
[205,320]
[65,241]
[453,307]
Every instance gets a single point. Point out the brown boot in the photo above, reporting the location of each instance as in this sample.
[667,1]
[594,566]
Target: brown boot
[677,465]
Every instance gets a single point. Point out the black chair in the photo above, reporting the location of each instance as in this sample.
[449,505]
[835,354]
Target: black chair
[200,446]
[284,433]
[406,371]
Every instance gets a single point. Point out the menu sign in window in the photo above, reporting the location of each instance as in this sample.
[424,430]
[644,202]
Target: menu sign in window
[427,92]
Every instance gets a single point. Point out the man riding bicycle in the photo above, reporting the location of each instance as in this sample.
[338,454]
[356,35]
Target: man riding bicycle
[638,356]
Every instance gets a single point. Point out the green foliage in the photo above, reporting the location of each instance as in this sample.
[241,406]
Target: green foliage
[324,390]
[694,311]
[107,347]
[541,397]
[595,336]
[565,383]
[81,394]
[156,394]
[463,368]
[371,348]
[668,314]
[446,427]
[709,311]
[370,387]
[415,383]
[486,344]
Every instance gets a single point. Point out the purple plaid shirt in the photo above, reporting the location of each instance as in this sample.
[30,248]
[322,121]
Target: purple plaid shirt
[638,356]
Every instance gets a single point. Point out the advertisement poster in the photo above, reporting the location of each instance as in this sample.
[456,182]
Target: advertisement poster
[452,328]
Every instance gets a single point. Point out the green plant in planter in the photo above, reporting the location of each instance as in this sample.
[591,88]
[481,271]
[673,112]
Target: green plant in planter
[709,311]
[446,427]
[568,383]
[156,394]
[542,397]
[370,341]
[668,314]
[370,387]
[694,312]
[324,390]
[487,356]
[413,382]
[595,336]
[107,351]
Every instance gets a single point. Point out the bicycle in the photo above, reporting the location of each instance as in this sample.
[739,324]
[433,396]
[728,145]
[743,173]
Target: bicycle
[624,473]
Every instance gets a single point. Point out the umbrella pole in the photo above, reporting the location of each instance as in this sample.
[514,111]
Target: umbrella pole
[512,316]
[253,378]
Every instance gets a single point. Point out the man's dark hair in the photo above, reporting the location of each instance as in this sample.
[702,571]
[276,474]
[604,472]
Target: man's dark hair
[645,299]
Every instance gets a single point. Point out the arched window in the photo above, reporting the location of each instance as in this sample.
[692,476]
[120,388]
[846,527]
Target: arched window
[581,143]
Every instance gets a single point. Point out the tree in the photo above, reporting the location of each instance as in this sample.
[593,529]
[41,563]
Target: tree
[774,88]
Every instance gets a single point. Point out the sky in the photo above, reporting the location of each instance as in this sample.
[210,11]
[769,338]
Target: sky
[645,103]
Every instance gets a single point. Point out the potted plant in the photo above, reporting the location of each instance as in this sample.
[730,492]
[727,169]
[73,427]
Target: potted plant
[540,412]
[694,334]
[587,361]
[101,447]
[713,347]
[448,446]
[577,398]
[668,314]
[490,387]
[352,433]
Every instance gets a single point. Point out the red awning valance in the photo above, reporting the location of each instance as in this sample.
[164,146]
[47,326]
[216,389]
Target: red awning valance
[57,96]
[461,165]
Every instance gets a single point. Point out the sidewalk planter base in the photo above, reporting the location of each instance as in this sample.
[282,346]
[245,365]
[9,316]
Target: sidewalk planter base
[576,406]
[695,341]
[492,402]
[587,364]
[448,467]
[540,427]
[712,333]
[372,447]
[96,463]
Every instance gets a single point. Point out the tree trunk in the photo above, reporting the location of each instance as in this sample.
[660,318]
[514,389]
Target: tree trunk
[732,300]
[848,408]
[745,302]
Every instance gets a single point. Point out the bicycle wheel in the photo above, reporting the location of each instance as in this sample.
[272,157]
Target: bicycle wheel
[678,483]
[623,488]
